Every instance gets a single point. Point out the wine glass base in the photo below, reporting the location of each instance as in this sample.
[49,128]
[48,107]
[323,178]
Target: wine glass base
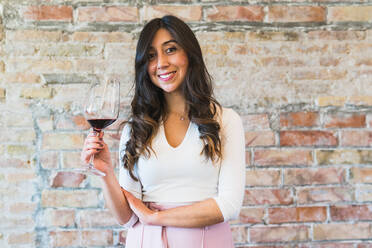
[90,171]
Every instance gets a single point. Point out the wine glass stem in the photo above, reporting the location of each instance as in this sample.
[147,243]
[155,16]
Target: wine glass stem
[91,162]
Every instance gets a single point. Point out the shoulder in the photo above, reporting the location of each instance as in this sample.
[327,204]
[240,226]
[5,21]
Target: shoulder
[125,133]
[228,115]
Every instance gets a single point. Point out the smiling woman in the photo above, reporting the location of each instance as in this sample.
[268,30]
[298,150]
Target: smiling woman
[168,62]
[182,156]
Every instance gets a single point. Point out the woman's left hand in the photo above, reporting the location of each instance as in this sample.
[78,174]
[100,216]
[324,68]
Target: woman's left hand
[144,214]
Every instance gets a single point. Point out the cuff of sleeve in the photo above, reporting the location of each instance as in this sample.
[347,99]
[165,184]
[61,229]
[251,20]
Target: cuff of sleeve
[133,220]
[222,208]
[228,211]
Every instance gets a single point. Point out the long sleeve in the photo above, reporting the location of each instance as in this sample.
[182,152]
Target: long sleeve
[125,181]
[231,179]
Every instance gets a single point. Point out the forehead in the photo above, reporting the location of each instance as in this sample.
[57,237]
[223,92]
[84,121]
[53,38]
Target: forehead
[161,37]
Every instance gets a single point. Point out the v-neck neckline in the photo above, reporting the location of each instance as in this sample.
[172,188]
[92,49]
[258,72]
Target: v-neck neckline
[183,140]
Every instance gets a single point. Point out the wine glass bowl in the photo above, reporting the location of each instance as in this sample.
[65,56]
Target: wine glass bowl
[101,109]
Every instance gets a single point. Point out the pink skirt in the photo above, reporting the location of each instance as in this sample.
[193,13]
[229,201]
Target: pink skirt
[149,236]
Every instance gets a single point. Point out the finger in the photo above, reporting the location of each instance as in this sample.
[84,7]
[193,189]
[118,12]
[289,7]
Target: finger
[98,146]
[85,155]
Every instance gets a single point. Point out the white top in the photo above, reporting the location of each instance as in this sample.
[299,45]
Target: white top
[183,175]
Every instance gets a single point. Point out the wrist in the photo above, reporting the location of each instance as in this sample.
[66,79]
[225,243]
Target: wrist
[155,218]
[109,174]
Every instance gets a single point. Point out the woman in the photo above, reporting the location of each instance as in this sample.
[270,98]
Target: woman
[182,170]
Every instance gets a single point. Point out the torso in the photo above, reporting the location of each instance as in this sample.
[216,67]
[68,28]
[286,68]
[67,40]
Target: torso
[175,130]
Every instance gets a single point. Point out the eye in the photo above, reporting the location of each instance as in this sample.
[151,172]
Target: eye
[151,55]
[171,49]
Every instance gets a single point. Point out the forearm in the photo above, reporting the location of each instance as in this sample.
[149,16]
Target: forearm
[199,214]
[115,199]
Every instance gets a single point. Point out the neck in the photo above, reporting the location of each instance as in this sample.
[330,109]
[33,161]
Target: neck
[176,103]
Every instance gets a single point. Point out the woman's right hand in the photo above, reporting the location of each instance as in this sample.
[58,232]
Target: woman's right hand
[94,145]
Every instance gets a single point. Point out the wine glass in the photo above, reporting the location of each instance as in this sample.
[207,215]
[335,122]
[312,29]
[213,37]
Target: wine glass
[101,109]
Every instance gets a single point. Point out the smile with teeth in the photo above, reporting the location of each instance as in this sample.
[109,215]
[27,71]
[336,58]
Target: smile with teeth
[167,76]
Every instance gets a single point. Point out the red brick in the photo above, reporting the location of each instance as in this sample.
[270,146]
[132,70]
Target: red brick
[76,198]
[341,244]
[250,216]
[322,74]
[268,35]
[337,35]
[14,163]
[71,160]
[76,122]
[356,138]
[256,122]
[96,218]
[263,178]
[102,37]
[22,208]
[22,238]
[267,196]
[64,238]
[308,138]
[282,157]
[324,195]
[299,214]
[247,157]
[363,61]
[279,234]
[68,179]
[186,13]
[236,13]
[52,141]
[21,77]
[239,234]
[97,238]
[35,36]
[314,176]
[347,213]
[108,14]
[48,13]
[361,175]
[49,160]
[344,120]
[329,61]
[365,245]
[350,14]
[327,157]
[331,101]
[259,138]
[296,14]
[299,119]
[342,231]
[59,218]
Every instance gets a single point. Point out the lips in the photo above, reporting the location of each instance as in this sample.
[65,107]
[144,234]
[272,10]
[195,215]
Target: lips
[167,76]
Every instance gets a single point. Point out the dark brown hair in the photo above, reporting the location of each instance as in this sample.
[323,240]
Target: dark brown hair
[149,106]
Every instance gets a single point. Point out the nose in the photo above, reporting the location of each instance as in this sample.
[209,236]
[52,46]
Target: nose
[162,61]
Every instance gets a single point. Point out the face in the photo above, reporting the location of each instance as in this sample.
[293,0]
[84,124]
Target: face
[168,62]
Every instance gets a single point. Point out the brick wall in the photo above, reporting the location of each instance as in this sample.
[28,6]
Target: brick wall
[298,72]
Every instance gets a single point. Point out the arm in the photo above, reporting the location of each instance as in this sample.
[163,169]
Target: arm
[115,200]
[199,214]
[231,183]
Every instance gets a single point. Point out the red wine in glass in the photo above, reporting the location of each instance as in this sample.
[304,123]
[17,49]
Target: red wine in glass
[101,109]
[99,124]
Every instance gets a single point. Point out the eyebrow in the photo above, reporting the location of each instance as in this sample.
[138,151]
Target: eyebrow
[165,43]
[169,41]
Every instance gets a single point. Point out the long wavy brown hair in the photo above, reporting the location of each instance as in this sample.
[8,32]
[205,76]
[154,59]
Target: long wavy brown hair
[149,105]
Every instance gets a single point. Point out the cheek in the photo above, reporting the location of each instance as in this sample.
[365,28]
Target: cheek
[151,69]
